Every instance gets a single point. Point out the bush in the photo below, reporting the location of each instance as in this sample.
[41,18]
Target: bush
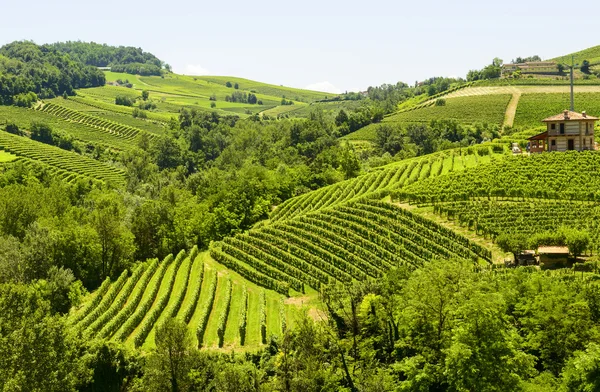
[440,102]
[25,100]
[123,101]
[137,113]
[13,128]
[228,84]
[213,105]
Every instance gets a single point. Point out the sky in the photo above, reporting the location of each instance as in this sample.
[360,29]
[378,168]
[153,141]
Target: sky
[332,46]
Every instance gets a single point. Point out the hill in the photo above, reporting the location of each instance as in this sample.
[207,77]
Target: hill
[590,54]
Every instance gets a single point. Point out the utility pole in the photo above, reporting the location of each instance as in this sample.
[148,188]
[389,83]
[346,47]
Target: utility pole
[572,69]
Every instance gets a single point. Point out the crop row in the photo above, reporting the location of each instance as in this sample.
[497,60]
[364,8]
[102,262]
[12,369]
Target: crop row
[104,304]
[61,159]
[206,310]
[125,303]
[224,314]
[147,298]
[159,305]
[355,240]
[117,129]
[568,176]
[243,322]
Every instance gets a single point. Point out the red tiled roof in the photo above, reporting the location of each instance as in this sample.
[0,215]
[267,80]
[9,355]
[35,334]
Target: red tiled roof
[571,116]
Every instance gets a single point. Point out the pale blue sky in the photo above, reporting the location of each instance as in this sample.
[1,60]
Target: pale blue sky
[344,45]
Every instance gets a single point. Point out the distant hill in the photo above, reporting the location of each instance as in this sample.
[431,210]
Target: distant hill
[590,54]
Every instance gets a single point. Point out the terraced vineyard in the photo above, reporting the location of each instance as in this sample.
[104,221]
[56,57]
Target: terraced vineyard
[60,161]
[221,307]
[387,179]
[355,240]
[544,176]
[23,118]
[491,218]
[116,129]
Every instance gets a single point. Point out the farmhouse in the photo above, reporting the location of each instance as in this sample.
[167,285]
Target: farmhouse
[553,256]
[564,132]
[532,67]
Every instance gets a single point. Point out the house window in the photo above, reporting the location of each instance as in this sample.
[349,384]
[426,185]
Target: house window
[553,143]
[562,128]
[553,126]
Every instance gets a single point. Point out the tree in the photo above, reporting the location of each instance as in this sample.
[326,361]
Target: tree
[585,66]
[42,133]
[236,86]
[145,95]
[228,84]
[576,240]
[168,366]
[341,118]
[513,243]
[582,372]
[389,139]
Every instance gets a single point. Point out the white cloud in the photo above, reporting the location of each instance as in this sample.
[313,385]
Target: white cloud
[325,87]
[195,69]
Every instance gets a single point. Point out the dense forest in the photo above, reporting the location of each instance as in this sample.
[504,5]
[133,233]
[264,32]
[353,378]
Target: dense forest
[29,71]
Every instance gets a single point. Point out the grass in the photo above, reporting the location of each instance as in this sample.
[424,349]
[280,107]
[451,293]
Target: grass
[590,54]
[6,157]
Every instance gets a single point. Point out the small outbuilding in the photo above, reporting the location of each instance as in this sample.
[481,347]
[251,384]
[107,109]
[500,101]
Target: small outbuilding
[553,256]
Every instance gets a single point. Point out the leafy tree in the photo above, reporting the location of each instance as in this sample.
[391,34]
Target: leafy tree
[236,86]
[585,66]
[582,372]
[513,243]
[123,100]
[228,84]
[145,95]
[341,118]
[168,366]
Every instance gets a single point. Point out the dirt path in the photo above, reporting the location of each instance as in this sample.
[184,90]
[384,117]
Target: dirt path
[511,109]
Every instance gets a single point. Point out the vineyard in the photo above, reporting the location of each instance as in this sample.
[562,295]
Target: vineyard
[356,240]
[119,130]
[220,307]
[466,110]
[23,118]
[568,176]
[533,108]
[66,164]
[490,218]
[388,178]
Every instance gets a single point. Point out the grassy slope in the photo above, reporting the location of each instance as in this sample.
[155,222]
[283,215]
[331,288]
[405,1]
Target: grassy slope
[590,54]
[6,157]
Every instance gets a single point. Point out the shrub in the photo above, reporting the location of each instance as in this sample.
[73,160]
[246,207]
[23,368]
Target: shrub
[123,101]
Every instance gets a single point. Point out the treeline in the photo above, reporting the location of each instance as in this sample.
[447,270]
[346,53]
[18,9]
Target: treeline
[421,139]
[29,71]
[120,58]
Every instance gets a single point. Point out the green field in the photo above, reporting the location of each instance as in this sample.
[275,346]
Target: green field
[590,54]
[466,110]
[533,108]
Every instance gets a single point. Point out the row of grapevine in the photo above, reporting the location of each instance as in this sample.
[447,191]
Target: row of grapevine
[117,303]
[224,314]
[149,295]
[355,240]
[243,316]
[97,298]
[189,310]
[160,304]
[125,304]
[263,316]
[59,158]
[542,176]
[491,218]
[248,273]
[106,301]
[117,129]
[206,310]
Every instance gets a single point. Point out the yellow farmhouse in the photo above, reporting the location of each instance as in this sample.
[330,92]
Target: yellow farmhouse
[564,132]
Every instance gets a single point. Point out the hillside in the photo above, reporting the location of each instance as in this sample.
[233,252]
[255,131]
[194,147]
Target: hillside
[590,54]
[171,232]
